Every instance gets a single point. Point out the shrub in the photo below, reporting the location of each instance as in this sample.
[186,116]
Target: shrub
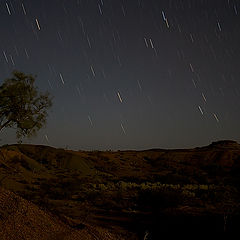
[159,199]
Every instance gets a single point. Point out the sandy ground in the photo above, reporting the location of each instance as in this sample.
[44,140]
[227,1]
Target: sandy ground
[20,220]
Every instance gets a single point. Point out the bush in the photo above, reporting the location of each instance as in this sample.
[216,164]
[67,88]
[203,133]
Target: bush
[149,200]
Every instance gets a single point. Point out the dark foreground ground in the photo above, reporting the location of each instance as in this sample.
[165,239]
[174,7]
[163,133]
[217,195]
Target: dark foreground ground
[133,194]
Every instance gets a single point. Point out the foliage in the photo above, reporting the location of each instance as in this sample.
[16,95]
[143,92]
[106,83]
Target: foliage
[22,106]
[159,199]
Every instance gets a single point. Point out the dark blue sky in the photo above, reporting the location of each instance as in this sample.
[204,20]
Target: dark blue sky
[128,74]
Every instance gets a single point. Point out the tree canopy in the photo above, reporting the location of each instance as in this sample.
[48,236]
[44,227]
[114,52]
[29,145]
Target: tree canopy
[22,106]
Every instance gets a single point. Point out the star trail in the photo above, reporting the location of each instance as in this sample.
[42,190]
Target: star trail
[128,74]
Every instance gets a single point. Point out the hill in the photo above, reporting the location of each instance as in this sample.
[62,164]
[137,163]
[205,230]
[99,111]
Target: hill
[130,193]
[20,219]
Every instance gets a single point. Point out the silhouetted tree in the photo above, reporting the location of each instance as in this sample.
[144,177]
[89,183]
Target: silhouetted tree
[21,105]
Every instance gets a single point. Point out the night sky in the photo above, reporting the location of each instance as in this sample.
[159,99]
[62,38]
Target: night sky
[128,74]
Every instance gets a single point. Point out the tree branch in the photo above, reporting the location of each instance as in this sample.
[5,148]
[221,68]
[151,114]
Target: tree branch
[5,124]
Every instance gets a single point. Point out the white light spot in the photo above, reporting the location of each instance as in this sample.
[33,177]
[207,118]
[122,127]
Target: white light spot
[139,85]
[164,18]
[26,52]
[12,60]
[100,10]
[78,90]
[216,117]
[151,43]
[8,9]
[93,72]
[235,9]
[24,10]
[204,98]
[145,40]
[5,56]
[123,11]
[123,129]
[90,120]
[146,235]
[46,138]
[191,67]
[167,23]
[191,36]
[119,96]
[89,44]
[61,78]
[194,83]
[38,25]
[219,26]
[200,109]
